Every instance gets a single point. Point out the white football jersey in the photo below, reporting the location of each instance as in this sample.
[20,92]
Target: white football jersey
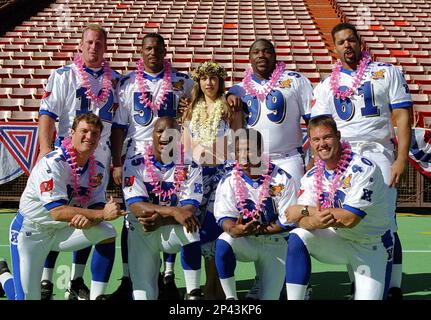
[362,191]
[366,115]
[278,116]
[65,98]
[282,195]
[137,118]
[137,186]
[51,185]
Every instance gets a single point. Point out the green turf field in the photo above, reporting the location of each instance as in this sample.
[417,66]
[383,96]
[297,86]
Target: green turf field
[329,282]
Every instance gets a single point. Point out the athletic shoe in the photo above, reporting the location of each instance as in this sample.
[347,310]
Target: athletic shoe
[3,268]
[124,292]
[77,290]
[253,293]
[308,293]
[168,289]
[195,294]
[46,289]
[104,297]
[395,294]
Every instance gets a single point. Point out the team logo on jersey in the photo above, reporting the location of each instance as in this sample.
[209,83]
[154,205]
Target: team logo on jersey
[313,102]
[46,94]
[275,191]
[378,74]
[286,83]
[97,180]
[129,181]
[47,186]
[198,188]
[300,192]
[179,85]
[346,182]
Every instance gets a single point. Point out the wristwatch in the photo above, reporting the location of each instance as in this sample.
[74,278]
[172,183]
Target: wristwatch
[305,212]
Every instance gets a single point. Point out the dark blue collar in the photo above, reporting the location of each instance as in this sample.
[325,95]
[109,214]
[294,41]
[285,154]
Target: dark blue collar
[93,73]
[259,180]
[160,165]
[349,72]
[67,158]
[257,80]
[157,77]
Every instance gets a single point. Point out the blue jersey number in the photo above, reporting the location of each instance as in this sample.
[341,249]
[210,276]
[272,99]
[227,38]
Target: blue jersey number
[106,112]
[144,114]
[346,110]
[274,103]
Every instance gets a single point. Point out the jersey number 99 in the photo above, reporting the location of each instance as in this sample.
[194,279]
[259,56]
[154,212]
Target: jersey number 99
[274,103]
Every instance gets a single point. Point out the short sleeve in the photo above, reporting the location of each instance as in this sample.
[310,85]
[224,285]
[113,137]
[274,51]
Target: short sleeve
[399,94]
[134,189]
[192,192]
[321,104]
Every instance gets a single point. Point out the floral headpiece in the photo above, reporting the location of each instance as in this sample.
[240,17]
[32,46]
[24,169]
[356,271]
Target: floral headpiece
[208,68]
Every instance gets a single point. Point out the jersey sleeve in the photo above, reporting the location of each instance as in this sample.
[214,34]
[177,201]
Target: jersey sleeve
[50,184]
[399,94]
[224,204]
[365,185]
[122,114]
[237,90]
[304,95]
[192,192]
[321,104]
[288,198]
[53,99]
[305,194]
[134,189]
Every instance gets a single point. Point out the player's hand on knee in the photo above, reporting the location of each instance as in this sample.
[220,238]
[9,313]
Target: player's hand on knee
[234,102]
[112,210]
[324,219]
[147,213]
[151,223]
[187,219]
[80,222]
[117,175]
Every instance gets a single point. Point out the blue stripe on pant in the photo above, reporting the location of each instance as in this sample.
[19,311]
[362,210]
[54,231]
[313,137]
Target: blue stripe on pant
[15,228]
[388,243]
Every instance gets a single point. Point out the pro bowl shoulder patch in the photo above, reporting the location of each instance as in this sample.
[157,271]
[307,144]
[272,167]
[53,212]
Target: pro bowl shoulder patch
[286,83]
[275,191]
[346,182]
[380,74]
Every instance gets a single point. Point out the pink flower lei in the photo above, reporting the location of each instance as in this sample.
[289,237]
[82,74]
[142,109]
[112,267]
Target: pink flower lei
[85,82]
[342,165]
[241,189]
[179,175]
[262,92]
[335,77]
[166,87]
[70,150]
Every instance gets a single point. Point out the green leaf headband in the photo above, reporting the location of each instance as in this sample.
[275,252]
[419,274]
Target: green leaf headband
[208,68]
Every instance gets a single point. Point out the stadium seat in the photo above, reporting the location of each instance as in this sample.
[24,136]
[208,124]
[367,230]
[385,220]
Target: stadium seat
[24,116]
[11,104]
